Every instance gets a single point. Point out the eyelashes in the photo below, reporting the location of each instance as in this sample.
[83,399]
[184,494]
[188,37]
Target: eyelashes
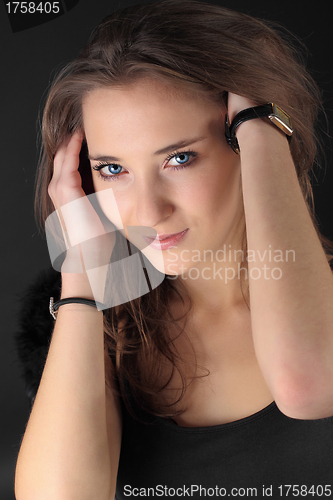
[186,158]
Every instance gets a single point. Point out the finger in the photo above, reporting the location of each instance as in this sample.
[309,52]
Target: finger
[59,157]
[73,150]
[67,178]
[66,183]
[68,152]
[71,162]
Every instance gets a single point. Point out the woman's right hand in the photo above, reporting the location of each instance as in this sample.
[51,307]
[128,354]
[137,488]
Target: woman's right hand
[66,182]
[89,245]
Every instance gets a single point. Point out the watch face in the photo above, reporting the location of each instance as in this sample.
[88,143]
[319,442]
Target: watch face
[281,119]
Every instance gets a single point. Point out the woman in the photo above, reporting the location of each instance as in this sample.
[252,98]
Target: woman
[218,382]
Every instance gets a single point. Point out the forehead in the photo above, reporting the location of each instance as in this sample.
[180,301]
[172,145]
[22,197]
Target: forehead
[150,86]
[148,110]
[144,99]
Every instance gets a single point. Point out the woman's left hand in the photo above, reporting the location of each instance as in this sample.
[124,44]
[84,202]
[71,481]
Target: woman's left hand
[237,103]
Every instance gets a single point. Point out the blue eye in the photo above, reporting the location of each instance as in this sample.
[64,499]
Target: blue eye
[182,157]
[114,169]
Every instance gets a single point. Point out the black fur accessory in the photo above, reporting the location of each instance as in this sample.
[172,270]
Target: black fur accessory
[36,327]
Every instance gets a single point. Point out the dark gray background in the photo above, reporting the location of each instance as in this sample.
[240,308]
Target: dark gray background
[28,61]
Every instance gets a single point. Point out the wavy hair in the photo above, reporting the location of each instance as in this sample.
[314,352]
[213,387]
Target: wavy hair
[205,50]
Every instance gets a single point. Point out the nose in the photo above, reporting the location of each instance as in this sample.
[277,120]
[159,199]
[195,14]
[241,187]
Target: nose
[153,203]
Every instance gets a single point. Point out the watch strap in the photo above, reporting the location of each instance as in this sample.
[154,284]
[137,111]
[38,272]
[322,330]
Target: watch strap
[276,114]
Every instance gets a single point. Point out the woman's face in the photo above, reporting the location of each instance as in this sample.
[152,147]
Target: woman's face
[165,156]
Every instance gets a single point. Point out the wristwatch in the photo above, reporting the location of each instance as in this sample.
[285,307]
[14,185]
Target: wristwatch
[278,117]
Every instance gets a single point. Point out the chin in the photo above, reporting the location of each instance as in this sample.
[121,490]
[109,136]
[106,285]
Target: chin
[155,258]
[162,264]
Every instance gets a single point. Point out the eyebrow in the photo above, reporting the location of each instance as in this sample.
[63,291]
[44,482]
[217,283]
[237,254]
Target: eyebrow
[171,147]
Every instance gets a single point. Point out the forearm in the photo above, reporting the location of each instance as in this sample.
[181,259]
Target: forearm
[291,308]
[65,451]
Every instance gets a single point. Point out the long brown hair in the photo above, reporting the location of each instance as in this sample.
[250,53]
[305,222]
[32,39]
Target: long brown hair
[199,48]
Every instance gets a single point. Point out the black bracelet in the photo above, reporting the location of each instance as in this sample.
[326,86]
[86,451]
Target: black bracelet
[54,306]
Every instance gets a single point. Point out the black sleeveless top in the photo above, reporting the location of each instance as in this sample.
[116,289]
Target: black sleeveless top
[277,456]
[264,455]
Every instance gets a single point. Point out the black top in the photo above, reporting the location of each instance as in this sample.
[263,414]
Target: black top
[266,451]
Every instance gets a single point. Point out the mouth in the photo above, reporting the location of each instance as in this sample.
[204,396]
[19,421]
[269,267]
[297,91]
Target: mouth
[165,241]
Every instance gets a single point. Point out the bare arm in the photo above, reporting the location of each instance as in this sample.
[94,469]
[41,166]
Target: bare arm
[71,446]
[292,315]
[70,449]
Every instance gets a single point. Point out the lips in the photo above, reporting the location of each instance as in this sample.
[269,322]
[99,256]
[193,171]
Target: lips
[165,241]
[161,237]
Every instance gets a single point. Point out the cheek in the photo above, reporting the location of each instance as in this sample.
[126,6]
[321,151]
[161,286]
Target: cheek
[125,207]
[226,188]
[109,205]
[215,191]
[113,202]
